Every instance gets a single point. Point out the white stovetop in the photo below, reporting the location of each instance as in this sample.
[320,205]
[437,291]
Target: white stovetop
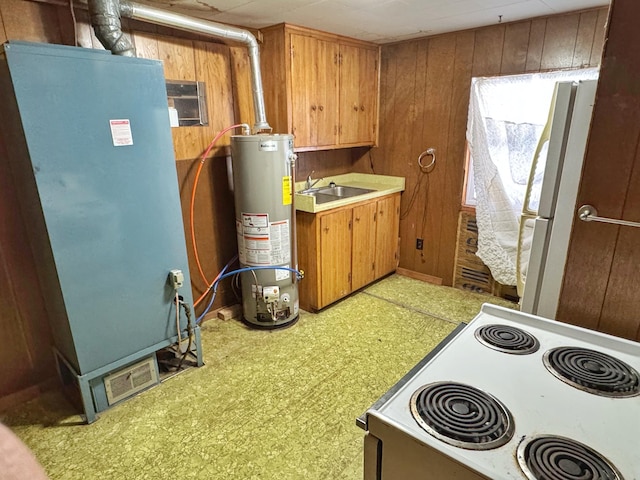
[539,402]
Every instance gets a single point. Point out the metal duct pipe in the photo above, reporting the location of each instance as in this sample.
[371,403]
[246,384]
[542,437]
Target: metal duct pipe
[158,16]
[105,18]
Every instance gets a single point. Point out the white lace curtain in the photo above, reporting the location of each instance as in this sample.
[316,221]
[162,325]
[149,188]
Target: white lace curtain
[506,118]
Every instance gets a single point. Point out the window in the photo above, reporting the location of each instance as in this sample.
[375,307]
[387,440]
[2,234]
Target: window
[506,118]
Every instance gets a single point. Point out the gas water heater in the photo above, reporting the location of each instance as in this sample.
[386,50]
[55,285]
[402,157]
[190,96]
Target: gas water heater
[265,225]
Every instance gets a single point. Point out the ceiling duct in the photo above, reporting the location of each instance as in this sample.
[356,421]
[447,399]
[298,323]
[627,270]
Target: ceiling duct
[105,18]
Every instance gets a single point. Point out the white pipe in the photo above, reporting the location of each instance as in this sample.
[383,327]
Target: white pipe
[158,16]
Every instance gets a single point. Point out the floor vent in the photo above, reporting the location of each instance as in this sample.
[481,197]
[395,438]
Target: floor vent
[130,380]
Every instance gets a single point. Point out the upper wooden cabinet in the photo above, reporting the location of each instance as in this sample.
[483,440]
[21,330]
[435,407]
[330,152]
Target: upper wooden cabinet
[322,88]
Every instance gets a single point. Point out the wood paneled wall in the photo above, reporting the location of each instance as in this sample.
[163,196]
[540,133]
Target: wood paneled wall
[602,284]
[424,102]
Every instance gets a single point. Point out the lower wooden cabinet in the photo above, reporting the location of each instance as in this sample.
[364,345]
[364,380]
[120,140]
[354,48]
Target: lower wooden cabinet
[346,248]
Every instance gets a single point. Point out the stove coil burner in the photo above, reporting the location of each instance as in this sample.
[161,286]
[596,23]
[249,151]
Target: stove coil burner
[550,457]
[462,416]
[507,339]
[592,371]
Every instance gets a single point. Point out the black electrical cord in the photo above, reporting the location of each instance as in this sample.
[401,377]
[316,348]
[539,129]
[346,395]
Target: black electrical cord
[414,196]
[187,311]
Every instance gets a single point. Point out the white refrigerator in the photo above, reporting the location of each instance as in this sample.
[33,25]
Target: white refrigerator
[550,205]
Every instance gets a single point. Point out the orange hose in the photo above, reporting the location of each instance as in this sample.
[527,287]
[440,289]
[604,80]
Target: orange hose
[191,209]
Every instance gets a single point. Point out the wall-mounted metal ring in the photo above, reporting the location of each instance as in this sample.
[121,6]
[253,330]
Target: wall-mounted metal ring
[428,151]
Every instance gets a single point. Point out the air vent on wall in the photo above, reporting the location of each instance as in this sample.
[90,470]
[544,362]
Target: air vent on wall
[131,380]
[189,100]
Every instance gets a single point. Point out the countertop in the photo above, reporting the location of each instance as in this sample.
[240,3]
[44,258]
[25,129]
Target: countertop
[382,184]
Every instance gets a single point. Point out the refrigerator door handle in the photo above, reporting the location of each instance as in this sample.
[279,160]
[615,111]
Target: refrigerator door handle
[544,137]
[520,276]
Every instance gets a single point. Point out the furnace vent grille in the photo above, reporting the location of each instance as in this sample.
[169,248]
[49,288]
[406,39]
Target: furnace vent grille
[130,380]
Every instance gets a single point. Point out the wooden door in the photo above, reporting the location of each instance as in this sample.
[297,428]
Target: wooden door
[335,256]
[349,94]
[388,224]
[314,91]
[364,245]
[368,114]
[325,108]
[601,283]
[303,88]
[358,94]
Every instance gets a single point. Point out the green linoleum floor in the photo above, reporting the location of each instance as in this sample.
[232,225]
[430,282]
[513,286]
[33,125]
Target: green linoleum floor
[267,404]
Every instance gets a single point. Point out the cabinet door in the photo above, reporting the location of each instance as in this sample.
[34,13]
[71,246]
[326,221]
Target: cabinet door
[335,256]
[303,85]
[358,94]
[326,113]
[368,121]
[314,91]
[349,94]
[364,245]
[388,222]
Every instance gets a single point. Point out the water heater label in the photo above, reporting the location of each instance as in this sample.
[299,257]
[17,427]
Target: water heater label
[280,244]
[261,242]
[282,274]
[268,146]
[256,241]
[286,190]
[121,132]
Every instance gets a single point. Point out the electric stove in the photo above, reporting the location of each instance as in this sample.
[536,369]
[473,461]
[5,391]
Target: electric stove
[512,396]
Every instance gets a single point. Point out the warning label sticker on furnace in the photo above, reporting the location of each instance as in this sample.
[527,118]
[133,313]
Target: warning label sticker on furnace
[121,132]
[261,242]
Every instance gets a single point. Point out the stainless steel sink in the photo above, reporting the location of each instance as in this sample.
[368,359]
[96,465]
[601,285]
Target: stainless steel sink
[338,192]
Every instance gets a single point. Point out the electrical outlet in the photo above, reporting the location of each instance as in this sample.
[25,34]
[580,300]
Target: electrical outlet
[419,243]
[176,279]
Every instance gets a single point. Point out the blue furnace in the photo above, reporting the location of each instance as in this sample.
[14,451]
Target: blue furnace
[89,145]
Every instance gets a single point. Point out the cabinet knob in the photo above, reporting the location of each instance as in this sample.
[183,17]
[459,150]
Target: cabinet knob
[326,229]
[313,107]
[381,212]
[362,107]
[355,108]
[321,108]
[357,219]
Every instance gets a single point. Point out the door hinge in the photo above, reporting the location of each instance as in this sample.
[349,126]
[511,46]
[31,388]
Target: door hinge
[375,216]
[349,224]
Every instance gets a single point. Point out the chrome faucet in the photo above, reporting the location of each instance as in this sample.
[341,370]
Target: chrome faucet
[310,181]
